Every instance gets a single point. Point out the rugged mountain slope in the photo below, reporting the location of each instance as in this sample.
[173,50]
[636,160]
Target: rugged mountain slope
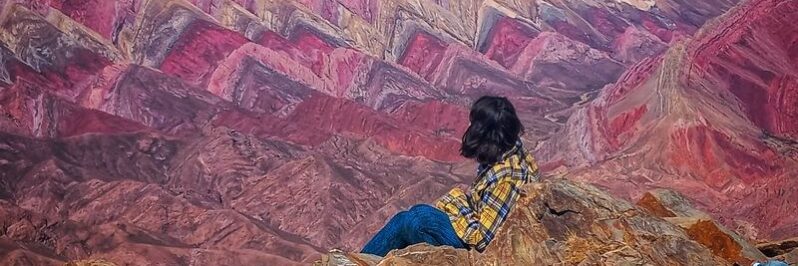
[185,131]
[710,118]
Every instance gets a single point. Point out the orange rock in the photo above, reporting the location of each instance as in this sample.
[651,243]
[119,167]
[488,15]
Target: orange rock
[560,222]
[650,203]
[668,203]
[699,226]
[719,240]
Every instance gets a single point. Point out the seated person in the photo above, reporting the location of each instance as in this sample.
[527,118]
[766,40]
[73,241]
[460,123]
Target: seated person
[470,220]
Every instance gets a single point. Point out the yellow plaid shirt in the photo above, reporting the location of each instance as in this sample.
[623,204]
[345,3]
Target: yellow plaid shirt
[477,215]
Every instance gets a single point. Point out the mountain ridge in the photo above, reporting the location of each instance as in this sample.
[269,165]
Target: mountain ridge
[307,124]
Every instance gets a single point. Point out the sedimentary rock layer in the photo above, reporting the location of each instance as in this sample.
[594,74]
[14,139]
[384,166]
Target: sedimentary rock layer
[267,132]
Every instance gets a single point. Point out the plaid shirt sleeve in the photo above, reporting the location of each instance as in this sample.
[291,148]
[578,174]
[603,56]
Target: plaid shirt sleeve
[455,203]
[477,226]
[476,220]
[497,200]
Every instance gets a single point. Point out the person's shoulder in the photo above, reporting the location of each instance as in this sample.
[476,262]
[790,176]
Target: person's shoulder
[505,168]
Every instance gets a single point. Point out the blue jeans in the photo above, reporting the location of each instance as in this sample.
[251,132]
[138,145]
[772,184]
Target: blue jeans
[770,263]
[421,224]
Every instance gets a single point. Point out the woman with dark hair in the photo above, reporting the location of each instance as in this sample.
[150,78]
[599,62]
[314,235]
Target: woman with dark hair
[470,220]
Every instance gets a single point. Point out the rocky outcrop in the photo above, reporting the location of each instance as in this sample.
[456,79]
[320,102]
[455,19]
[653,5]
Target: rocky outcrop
[560,222]
[422,254]
[95,262]
[700,227]
[564,222]
[785,250]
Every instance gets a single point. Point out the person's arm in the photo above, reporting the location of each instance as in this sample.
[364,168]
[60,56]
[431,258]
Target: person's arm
[477,225]
[455,202]
[496,202]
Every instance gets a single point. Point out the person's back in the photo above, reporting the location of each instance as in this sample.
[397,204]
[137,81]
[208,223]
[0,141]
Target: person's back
[477,214]
[470,219]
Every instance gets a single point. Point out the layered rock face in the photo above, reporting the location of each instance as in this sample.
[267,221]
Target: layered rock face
[786,250]
[267,132]
[700,227]
[563,222]
[679,121]
[559,222]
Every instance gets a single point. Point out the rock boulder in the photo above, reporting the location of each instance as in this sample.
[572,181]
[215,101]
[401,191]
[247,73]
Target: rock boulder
[560,222]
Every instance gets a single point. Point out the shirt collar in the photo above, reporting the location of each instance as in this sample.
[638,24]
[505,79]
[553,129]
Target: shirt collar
[519,146]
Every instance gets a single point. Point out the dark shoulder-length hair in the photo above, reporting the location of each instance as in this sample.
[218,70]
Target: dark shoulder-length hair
[494,130]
